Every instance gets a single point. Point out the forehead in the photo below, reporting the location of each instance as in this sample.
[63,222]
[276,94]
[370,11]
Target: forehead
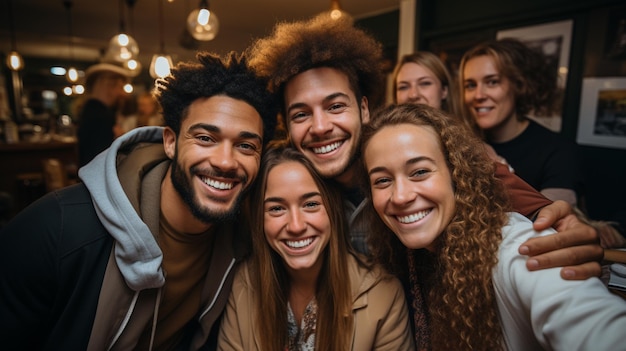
[484,64]
[415,70]
[288,178]
[316,82]
[401,142]
[225,112]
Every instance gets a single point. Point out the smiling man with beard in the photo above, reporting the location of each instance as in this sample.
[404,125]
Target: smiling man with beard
[140,255]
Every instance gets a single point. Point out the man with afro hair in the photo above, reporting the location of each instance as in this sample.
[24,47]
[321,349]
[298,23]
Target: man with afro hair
[328,73]
[140,255]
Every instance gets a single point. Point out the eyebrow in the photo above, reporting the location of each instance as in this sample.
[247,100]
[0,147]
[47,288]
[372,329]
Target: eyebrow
[408,162]
[215,129]
[303,197]
[326,99]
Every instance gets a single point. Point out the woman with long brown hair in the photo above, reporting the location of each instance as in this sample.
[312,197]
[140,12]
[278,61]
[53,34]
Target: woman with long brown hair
[304,288]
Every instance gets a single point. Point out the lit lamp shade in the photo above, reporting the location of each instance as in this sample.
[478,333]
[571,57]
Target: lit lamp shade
[122,47]
[160,66]
[133,66]
[203,24]
[15,61]
[72,75]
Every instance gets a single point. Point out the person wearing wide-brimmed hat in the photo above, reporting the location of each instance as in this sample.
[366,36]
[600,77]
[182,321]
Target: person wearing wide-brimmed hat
[104,84]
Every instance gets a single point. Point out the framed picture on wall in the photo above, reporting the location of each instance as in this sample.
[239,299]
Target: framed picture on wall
[602,120]
[554,40]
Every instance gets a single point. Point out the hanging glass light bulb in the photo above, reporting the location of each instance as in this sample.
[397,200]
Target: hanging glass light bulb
[133,66]
[14,59]
[160,66]
[161,63]
[122,47]
[202,23]
[72,73]
[335,10]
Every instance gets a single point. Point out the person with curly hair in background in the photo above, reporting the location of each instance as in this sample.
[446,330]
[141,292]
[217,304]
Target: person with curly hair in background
[141,254]
[502,82]
[442,222]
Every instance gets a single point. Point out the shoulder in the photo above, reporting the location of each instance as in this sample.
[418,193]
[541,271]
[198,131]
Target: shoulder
[374,282]
[65,217]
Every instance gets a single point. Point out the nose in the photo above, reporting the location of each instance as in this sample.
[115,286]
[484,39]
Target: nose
[414,93]
[402,193]
[223,158]
[296,224]
[479,92]
[320,123]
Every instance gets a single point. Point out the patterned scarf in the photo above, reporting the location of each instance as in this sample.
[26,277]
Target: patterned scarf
[420,310]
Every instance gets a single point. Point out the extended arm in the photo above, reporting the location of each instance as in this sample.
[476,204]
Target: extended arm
[575,246]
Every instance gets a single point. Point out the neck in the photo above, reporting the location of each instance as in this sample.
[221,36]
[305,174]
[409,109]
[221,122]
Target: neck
[348,178]
[508,130]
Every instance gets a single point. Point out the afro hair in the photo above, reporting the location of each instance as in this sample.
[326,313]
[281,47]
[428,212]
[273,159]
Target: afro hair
[320,42]
[230,76]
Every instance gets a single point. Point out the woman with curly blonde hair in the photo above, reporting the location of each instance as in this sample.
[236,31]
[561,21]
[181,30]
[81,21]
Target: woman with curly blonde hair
[455,245]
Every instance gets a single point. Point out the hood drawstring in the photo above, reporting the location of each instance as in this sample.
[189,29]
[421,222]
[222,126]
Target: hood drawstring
[125,321]
[155,318]
[217,293]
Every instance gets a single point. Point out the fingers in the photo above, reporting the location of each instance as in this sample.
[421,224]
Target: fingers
[582,271]
[578,262]
[551,214]
[577,234]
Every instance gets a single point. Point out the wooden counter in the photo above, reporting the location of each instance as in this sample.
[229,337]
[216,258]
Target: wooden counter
[21,172]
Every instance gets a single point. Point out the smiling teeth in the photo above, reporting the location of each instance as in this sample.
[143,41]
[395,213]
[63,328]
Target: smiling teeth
[218,185]
[483,109]
[326,149]
[414,217]
[299,243]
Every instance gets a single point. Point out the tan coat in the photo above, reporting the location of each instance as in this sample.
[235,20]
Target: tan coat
[380,313]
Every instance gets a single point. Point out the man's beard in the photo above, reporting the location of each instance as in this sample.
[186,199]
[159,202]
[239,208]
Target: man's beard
[182,184]
[354,157]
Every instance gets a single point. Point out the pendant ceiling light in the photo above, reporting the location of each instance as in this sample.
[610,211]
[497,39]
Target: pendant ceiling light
[161,63]
[202,23]
[14,59]
[72,73]
[335,10]
[122,47]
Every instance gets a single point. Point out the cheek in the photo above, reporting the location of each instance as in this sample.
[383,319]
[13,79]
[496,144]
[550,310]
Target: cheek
[270,227]
[379,199]
[296,133]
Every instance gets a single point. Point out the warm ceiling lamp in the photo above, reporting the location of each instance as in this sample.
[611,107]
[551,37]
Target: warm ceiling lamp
[14,59]
[202,23]
[161,63]
[335,10]
[123,47]
[72,73]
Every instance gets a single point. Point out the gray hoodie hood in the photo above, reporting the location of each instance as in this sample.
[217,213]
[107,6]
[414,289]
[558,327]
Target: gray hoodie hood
[137,252]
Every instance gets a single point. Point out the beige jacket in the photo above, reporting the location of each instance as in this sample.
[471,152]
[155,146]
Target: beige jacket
[380,313]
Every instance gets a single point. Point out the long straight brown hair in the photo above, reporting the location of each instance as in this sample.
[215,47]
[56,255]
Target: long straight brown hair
[268,273]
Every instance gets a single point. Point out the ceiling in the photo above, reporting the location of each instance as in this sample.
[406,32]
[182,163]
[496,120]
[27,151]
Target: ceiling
[42,26]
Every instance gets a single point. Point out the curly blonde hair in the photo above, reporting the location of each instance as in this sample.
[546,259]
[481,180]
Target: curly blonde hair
[461,300]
